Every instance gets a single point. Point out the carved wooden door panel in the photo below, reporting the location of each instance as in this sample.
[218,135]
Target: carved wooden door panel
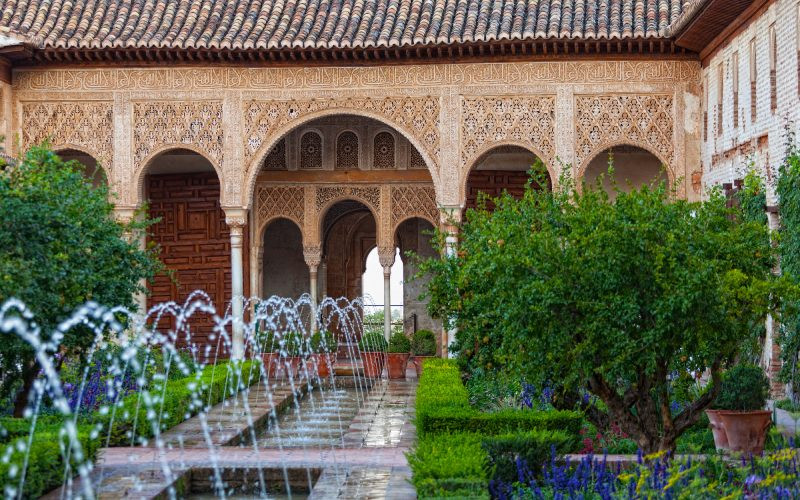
[195,245]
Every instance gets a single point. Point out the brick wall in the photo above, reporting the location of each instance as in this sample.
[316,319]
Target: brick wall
[728,147]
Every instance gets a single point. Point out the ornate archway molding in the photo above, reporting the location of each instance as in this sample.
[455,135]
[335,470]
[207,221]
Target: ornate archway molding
[643,120]
[306,205]
[265,122]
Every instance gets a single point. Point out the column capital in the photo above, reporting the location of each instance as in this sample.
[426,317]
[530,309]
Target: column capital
[124,214]
[386,256]
[236,219]
[312,255]
[450,214]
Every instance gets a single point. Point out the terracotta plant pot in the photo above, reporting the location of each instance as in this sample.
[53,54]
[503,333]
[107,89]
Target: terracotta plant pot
[272,363]
[295,363]
[323,362]
[746,430]
[396,364]
[373,363]
[418,363]
[720,436]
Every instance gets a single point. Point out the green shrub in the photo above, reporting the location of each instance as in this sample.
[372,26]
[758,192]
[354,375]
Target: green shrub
[533,447]
[372,342]
[744,388]
[12,427]
[323,341]
[46,460]
[450,465]
[423,343]
[445,420]
[398,342]
[181,399]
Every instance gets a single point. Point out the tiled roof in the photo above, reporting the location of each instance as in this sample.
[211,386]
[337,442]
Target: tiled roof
[327,24]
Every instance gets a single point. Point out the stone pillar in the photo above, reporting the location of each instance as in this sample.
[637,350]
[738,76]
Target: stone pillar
[125,215]
[386,258]
[236,219]
[313,256]
[450,218]
[771,354]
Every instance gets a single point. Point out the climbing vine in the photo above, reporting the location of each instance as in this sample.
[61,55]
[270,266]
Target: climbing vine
[788,192]
[752,197]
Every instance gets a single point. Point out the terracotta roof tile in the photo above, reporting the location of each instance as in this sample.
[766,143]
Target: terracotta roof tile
[326,24]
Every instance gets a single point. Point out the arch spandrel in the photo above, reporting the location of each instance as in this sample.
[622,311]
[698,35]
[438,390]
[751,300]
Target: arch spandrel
[642,120]
[265,122]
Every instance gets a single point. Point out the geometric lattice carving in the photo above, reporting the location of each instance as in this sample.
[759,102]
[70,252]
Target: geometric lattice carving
[279,201]
[641,120]
[370,195]
[417,115]
[414,201]
[195,123]
[276,159]
[416,160]
[383,151]
[86,125]
[311,151]
[495,120]
[347,151]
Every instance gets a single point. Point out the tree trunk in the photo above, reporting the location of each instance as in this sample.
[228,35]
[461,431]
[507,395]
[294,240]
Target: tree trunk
[21,401]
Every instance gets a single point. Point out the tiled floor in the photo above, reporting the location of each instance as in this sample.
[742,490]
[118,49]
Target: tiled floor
[369,464]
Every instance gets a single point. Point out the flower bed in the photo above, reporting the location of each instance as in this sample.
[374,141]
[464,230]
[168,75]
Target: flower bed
[180,399]
[460,449]
[657,476]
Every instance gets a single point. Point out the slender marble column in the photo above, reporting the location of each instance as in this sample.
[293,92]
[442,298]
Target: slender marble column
[386,259]
[313,256]
[235,218]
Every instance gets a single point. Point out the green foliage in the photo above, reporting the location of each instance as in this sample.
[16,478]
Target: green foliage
[753,197]
[495,391]
[372,342]
[534,447]
[175,402]
[788,405]
[450,465]
[398,342]
[46,460]
[744,388]
[788,192]
[61,248]
[423,343]
[323,341]
[608,295]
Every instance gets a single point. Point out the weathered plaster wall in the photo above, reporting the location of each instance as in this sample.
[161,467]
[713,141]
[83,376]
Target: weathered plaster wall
[285,272]
[414,235]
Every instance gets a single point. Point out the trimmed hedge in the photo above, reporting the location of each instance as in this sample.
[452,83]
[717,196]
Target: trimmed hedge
[460,449]
[532,447]
[182,398]
[46,460]
[450,465]
[443,406]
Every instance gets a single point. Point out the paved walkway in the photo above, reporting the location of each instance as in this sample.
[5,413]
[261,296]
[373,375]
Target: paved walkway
[370,465]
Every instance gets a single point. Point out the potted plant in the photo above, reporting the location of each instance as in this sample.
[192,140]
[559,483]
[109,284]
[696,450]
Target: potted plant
[423,345]
[323,352]
[373,353]
[740,408]
[397,357]
[293,345]
[270,356]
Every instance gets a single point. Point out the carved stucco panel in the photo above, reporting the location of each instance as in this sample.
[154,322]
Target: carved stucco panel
[644,120]
[496,120]
[413,201]
[83,125]
[272,202]
[193,124]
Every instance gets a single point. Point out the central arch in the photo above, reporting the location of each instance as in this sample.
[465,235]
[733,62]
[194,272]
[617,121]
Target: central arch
[254,168]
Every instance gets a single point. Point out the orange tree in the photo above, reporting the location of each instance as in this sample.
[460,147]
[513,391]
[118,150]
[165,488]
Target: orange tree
[60,247]
[610,296]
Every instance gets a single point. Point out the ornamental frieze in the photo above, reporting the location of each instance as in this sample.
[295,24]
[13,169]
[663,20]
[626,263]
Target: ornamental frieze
[358,77]
[527,121]
[82,125]
[644,120]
